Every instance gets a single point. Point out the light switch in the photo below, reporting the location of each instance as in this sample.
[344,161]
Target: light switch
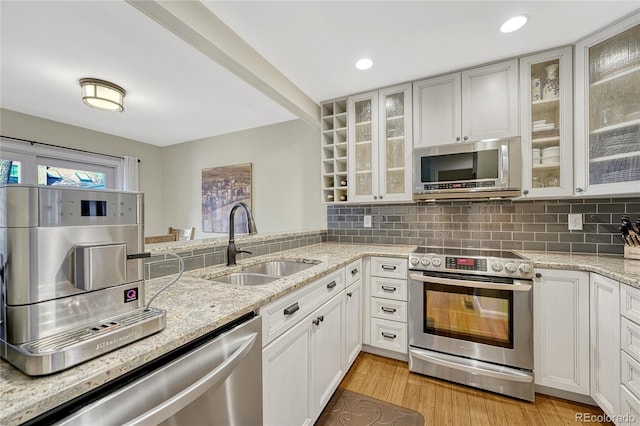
[367,221]
[575,222]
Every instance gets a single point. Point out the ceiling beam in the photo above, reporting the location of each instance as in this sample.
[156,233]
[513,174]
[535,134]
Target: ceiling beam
[193,22]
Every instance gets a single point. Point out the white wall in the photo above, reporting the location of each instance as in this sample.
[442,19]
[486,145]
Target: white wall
[285,159]
[286,193]
[17,125]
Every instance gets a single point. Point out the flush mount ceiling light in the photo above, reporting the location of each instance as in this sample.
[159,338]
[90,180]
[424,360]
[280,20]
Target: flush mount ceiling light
[102,94]
[513,24]
[364,64]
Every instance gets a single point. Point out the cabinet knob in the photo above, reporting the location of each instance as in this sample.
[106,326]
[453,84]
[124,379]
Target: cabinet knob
[316,321]
[381,197]
[538,275]
[525,192]
[579,190]
[349,294]
[321,318]
[375,197]
[458,139]
[465,138]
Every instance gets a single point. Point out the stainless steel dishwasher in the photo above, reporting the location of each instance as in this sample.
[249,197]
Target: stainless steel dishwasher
[214,381]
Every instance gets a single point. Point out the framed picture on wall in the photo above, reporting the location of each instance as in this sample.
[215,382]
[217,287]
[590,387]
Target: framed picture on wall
[222,187]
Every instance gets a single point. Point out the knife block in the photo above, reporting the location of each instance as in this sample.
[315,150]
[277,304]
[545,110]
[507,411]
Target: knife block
[631,252]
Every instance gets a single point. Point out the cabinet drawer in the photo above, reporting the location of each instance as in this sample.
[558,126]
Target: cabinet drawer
[389,288]
[630,338]
[630,303]
[630,377]
[629,407]
[282,314]
[390,335]
[390,267]
[393,310]
[353,272]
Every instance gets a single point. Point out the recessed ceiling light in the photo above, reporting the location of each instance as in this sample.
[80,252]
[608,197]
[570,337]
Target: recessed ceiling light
[364,64]
[513,24]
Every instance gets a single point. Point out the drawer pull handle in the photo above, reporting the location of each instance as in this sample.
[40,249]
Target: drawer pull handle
[349,294]
[388,288]
[388,267]
[332,284]
[388,335]
[321,318]
[354,271]
[291,309]
[385,309]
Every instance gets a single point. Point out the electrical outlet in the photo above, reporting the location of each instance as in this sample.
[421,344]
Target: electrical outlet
[367,221]
[575,222]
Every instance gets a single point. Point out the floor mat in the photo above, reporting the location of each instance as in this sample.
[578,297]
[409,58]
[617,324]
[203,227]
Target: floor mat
[353,409]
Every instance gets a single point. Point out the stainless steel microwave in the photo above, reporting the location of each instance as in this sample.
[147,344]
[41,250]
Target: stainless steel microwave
[485,169]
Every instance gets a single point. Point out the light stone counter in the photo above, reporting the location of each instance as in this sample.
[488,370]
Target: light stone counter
[195,306]
[626,271]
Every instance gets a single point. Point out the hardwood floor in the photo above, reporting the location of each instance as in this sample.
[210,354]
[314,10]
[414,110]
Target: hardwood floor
[445,403]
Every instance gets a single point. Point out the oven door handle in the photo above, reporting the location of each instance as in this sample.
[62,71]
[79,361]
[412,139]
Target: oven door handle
[474,367]
[470,283]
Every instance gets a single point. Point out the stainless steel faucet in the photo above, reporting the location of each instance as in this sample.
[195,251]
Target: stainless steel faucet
[231,248]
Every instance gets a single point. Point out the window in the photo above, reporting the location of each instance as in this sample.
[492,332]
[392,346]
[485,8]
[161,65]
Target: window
[10,171]
[53,166]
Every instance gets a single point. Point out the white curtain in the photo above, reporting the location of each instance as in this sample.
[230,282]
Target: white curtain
[130,173]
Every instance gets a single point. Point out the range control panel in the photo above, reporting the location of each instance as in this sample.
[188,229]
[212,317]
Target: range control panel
[480,265]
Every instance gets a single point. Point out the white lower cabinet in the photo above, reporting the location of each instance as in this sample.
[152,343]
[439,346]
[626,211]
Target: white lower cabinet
[353,322]
[629,355]
[286,378]
[303,365]
[605,343]
[561,330]
[387,304]
[328,349]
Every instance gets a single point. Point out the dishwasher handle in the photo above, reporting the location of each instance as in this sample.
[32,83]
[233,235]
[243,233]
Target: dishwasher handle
[171,406]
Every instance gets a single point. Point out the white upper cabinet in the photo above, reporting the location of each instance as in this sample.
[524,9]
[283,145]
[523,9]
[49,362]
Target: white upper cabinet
[476,104]
[437,110]
[607,111]
[547,126]
[379,145]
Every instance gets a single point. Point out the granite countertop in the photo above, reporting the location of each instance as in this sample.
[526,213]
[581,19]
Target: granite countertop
[627,271]
[196,306]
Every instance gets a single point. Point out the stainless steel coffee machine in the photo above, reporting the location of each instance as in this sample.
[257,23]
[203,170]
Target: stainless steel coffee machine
[72,275]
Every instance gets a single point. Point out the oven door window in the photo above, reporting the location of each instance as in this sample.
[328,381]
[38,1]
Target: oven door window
[471,314]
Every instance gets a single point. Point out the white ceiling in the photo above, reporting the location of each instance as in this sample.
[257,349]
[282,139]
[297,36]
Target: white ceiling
[177,94]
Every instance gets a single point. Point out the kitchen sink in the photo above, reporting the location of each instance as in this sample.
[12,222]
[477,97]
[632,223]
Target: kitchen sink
[246,278]
[280,268]
[265,272]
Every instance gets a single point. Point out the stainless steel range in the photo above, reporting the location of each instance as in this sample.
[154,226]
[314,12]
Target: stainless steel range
[72,275]
[471,318]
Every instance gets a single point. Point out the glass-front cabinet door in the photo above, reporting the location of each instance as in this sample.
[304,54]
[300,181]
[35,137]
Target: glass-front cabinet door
[395,144]
[547,125]
[363,147]
[608,111]
[379,145]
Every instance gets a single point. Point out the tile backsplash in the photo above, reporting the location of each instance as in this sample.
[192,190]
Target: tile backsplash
[496,224]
